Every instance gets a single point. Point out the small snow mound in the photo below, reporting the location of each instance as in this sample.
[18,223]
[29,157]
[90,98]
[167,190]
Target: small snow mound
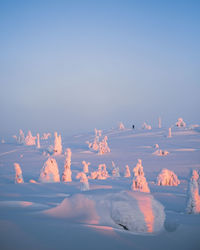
[167,178]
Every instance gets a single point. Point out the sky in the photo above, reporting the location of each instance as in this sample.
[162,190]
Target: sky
[72,66]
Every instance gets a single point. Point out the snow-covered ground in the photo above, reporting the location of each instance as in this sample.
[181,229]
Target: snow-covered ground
[109,215]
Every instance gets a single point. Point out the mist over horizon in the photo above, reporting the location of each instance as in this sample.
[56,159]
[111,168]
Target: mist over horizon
[72,66]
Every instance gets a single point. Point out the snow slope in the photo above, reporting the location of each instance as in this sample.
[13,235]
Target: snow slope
[109,215]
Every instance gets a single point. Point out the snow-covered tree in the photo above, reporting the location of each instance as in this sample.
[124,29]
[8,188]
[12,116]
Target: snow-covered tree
[67,174]
[85,166]
[100,146]
[57,144]
[146,126]
[84,181]
[170,133]
[18,173]
[139,181]
[115,171]
[50,172]
[180,123]
[38,140]
[45,136]
[101,173]
[193,201]
[30,140]
[161,152]
[20,139]
[127,172]
[103,146]
[121,126]
[167,178]
[159,122]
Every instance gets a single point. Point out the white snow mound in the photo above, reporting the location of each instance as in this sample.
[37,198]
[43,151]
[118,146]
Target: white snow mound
[136,212]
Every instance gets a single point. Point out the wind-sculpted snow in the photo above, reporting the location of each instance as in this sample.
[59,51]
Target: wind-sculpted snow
[136,212]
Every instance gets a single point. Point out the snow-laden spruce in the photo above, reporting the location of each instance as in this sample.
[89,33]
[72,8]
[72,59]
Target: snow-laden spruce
[139,181]
[85,166]
[159,122]
[127,172]
[121,126]
[50,172]
[169,132]
[136,212]
[167,178]
[38,140]
[30,140]
[57,144]
[115,171]
[67,174]
[18,173]
[180,123]
[193,200]
[84,181]
[21,138]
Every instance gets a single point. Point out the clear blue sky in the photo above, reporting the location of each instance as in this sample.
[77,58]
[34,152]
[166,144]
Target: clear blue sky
[75,65]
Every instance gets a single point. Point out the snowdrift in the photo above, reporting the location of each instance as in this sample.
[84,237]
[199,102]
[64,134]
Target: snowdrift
[136,212]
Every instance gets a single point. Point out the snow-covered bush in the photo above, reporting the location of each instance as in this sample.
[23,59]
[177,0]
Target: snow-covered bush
[18,173]
[139,181]
[101,173]
[57,144]
[45,136]
[180,123]
[146,126]
[38,140]
[167,178]
[85,166]
[121,126]
[30,140]
[127,172]
[193,201]
[161,152]
[50,172]
[115,171]
[66,176]
[84,181]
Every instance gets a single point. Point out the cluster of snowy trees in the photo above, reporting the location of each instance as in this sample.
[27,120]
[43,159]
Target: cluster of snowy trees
[99,145]
[30,140]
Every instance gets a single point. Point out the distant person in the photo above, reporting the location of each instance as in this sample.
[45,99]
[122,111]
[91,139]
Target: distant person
[133,126]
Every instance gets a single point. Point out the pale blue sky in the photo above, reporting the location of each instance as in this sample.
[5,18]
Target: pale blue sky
[75,65]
